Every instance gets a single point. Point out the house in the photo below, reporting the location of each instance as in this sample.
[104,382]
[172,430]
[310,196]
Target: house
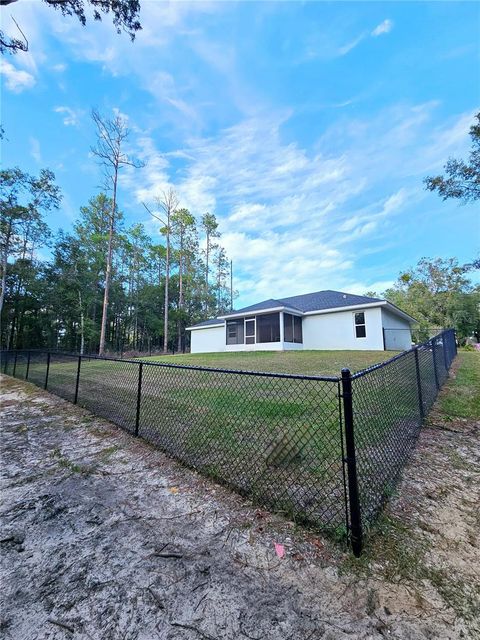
[321,320]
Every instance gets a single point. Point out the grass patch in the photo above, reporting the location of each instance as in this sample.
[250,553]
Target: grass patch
[327,363]
[393,549]
[108,452]
[396,551]
[65,463]
[463,397]
[399,550]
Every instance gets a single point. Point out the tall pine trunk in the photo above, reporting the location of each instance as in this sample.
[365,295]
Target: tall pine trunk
[8,235]
[206,271]
[180,294]
[82,324]
[108,273]
[167,279]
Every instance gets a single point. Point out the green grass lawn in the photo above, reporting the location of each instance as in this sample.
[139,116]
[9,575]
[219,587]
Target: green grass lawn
[327,363]
[403,546]
[463,397]
[276,439]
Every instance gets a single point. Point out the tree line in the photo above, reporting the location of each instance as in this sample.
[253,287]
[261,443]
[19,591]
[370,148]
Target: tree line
[439,294]
[107,286]
[153,296]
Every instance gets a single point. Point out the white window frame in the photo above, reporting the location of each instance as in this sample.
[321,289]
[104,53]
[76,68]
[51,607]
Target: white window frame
[361,324]
[254,320]
[227,326]
[293,316]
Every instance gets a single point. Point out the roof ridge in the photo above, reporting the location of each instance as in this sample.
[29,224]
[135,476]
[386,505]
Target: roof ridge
[308,302]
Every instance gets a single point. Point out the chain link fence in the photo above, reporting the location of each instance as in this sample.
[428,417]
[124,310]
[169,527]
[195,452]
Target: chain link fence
[390,401]
[326,451]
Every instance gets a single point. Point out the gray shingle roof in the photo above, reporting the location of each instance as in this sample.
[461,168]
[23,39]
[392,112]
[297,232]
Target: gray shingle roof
[206,323]
[312,302]
[266,304]
[326,300]
[317,301]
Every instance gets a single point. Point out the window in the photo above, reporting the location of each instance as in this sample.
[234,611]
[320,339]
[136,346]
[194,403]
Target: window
[292,328]
[287,327]
[297,329]
[268,328]
[360,327]
[249,330]
[235,331]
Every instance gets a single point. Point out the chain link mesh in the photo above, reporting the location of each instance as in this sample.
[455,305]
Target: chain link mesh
[109,388]
[390,401]
[62,375]
[277,438]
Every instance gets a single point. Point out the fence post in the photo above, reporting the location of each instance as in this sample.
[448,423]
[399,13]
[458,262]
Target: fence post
[419,386]
[28,365]
[434,348]
[353,497]
[139,397]
[48,370]
[14,364]
[444,344]
[78,379]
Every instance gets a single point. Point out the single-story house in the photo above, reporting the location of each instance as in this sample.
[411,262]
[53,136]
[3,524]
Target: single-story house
[321,320]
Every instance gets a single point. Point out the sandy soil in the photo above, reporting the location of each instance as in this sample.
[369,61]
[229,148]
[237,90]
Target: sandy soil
[102,536]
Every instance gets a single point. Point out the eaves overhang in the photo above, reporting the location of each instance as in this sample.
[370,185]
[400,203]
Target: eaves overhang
[370,305]
[204,326]
[260,312]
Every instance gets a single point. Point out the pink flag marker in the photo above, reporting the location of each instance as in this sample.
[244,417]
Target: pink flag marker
[279,550]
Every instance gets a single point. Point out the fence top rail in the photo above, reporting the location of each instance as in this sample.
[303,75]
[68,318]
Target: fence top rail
[191,367]
[399,356]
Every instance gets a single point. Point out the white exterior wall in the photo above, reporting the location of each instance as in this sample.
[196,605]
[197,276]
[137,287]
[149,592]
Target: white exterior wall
[292,346]
[336,331]
[264,346]
[207,340]
[401,338]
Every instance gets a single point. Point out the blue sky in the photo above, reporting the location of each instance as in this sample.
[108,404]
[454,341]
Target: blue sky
[307,128]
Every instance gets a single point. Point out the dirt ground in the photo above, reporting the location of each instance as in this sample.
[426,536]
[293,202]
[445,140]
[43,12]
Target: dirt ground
[104,537]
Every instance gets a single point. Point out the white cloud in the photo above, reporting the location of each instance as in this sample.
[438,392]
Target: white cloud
[360,288]
[351,45]
[59,68]
[449,139]
[17,80]
[249,161]
[71,116]
[277,265]
[162,24]
[163,86]
[35,150]
[384,27]
[294,220]
[290,217]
